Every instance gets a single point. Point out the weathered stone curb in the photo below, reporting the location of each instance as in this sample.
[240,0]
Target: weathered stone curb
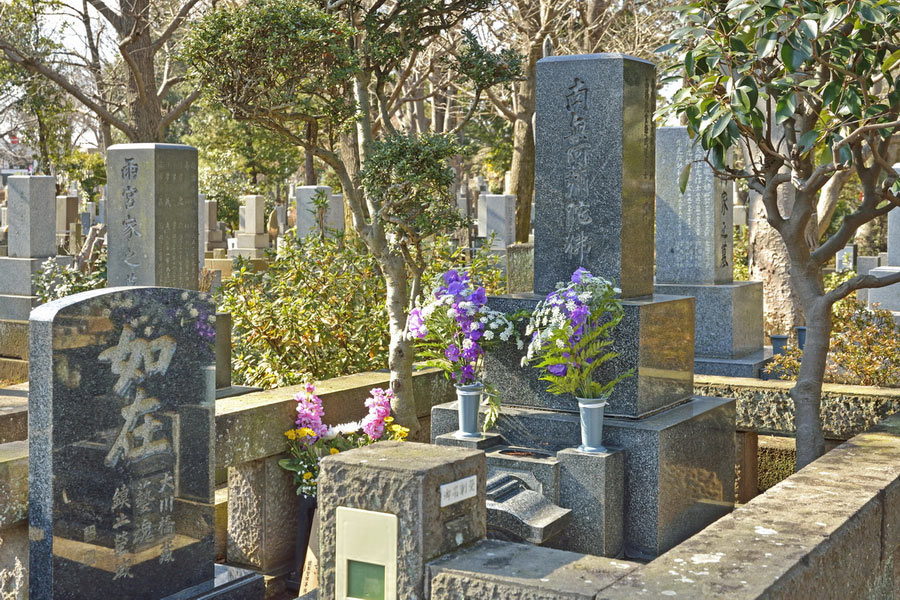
[766,406]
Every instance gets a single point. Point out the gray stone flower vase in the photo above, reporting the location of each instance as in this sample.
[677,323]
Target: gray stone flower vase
[591,410]
[468,398]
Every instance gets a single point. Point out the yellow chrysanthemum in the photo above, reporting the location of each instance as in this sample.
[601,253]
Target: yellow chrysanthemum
[306,431]
[291,434]
[334,450]
[389,420]
[307,475]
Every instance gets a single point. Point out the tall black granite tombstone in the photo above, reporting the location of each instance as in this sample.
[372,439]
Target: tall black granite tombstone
[121,443]
[594,207]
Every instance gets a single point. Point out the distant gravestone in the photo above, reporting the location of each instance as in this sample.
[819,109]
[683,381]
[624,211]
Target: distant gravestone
[845,259]
[694,237]
[497,215]
[152,215]
[308,215]
[596,186]
[893,237]
[31,208]
[121,432]
[66,213]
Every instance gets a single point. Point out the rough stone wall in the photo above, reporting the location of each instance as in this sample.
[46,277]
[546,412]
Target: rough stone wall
[766,407]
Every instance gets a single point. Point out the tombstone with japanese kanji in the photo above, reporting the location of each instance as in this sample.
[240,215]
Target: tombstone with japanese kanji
[121,437]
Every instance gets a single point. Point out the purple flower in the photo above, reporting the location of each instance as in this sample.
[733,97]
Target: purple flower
[579,275]
[478,297]
[558,370]
[472,353]
[451,276]
[452,353]
[416,323]
[579,315]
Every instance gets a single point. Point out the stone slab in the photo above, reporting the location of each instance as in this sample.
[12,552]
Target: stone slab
[121,430]
[506,571]
[654,338]
[228,583]
[404,479]
[593,486]
[679,463]
[253,215]
[13,483]
[252,240]
[595,166]
[16,274]
[893,239]
[824,532]
[154,217]
[481,442]
[497,215]
[728,317]
[66,213]
[888,298]
[520,268]
[750,365]
[263,510]
[224,265]
[14,413]
[30,209]
[13,369]
[541,467]
[694,235]
[16,308]
[248,253]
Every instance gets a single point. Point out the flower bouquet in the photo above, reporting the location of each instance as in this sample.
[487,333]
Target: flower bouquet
[452,332]
[570,338]
[312,440]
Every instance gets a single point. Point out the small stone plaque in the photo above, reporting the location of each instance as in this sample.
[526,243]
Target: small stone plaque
[459,490]
[121,428]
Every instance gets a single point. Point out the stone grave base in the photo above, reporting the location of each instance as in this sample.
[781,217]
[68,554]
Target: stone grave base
[16,273]
[16,308]
[728,317]
[887,297]
[248,252]
[655,333]
[230,583]
[750,365]
[678,467]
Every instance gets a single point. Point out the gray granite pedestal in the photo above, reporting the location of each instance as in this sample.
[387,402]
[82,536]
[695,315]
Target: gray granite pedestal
[678,463]
[888,298]
[728,338]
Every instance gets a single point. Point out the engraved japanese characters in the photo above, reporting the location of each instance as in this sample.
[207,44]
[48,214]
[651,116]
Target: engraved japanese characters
[121,417]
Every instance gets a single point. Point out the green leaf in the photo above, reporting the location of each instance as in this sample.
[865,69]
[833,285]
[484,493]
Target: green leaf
[809,28]
[689,63]
[684,177]
[785,107]
[766,45]
[807,140]
[889,62]
[720,125]
[833,15]
[787,55]
[831,93]
[871,13]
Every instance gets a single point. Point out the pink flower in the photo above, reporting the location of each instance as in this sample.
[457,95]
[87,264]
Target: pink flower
[310,412]
[379,405]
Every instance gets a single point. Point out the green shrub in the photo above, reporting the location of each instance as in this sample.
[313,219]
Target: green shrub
[318,310]
[864,349]
[54,281]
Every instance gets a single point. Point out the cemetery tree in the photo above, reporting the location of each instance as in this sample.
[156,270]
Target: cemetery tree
[807,91]
[327,67]
[144,32]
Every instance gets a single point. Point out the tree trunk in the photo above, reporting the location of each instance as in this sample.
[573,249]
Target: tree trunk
[769,263]
[400,351]
[807,392]
[144,104]
[522,168]
[828,199]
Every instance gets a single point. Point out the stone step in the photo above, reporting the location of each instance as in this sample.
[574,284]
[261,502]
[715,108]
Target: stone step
[15,307]
[14,339]
[13,370]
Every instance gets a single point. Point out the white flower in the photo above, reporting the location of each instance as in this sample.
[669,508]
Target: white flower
[488,335]
[467,343]
[504,335]
[560,344]
[194,313]
[520,344]
[495,325]
[451,313]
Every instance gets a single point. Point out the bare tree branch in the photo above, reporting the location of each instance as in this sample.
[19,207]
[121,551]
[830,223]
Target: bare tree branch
[173,26]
